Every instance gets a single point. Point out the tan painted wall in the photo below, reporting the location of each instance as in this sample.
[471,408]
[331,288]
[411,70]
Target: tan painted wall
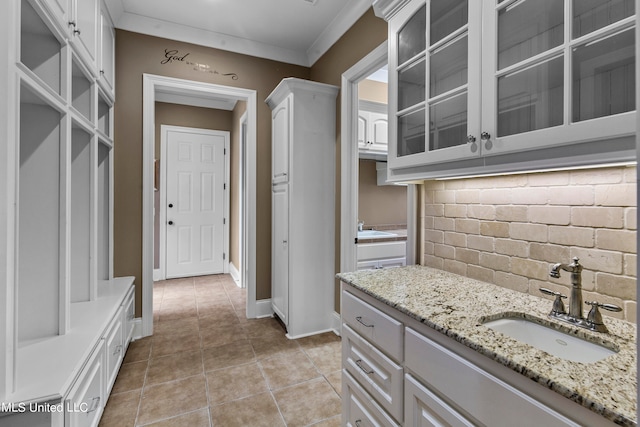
[137,54]
[374,91]
[379,205]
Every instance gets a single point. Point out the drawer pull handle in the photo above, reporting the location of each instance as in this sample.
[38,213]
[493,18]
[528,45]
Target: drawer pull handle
[95,404]
[359,319]
[117,350]
[360,365]
[358,423]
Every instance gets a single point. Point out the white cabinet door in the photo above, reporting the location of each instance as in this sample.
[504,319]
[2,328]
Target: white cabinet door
[280,140]
[379,126]
[85,403]
[84,29]
[425,409]
[106,67]
[363,129]
[59,10]
[280,252]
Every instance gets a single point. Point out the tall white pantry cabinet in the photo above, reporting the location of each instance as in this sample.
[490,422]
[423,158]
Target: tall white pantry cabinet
[303,205]
[66,321]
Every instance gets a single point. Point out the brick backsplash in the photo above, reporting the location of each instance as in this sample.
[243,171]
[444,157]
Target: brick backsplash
[508,230]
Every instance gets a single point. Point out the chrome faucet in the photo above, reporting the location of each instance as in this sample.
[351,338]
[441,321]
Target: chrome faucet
[360,225]
[594,318]
[575,301]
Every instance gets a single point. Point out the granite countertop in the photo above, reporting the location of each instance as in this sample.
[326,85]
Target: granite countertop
[456,306]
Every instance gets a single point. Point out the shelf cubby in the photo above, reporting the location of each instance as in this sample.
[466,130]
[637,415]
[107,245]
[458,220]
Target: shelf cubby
[40,244]
[104,217]
[80,222]
[81,90]
[40,49]
[104,115]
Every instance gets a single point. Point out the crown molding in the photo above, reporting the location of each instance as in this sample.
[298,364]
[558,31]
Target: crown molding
[386,9]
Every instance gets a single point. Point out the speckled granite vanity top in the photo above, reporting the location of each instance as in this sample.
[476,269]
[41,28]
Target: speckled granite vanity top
[457,306]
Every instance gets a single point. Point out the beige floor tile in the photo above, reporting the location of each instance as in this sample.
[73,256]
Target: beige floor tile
[138,350]
[255,411]
[225,316]
[198,418]
[173,398]
[288,369]
[130,377]
[215,337]
[270,345]
[178,326]
[257,328]
[175,343]
[121,409]
[308,403]
[174,313]
[335,379]
[327,358]
[174,366]
[318,340]
[331,422]
[235,383]
[224,356]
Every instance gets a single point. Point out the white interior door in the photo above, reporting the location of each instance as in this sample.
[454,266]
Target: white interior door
[196,187]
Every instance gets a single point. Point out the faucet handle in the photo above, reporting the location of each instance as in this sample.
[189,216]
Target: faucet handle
[558,305]
[594,318]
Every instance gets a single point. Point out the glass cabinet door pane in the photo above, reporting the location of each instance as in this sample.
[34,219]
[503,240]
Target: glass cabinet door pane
[412,37]
[604,77]
[448,123]
[590,15]
[446,17]
[411,85]
[411,136]
[448,67]
[532,98]
[527,28]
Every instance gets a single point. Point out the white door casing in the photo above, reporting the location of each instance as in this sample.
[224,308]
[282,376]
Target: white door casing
[195,202]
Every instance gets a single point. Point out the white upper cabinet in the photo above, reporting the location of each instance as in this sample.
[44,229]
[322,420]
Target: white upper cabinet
[59,10]
[373,133]
[106,66]
[83,27]
[508,85]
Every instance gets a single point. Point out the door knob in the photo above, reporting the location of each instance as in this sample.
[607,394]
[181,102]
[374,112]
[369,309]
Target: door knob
[170,222]
[170,205]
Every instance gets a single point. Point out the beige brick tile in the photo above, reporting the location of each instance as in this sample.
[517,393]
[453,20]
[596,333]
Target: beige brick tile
[433,261]
[599,260]
[612,217]
[572,236]
[427,222]
[434,236]
[629,310]
[529,268]
[428,248]
[511,281]
[496,196]
[495,262]
[455,267]
[445,224]
[615,195]
[494,229]
[468,196]
[480,273]
[546,179]
[481,243]
[518,248]
[469,226]
[468,256]
[455,239]
[616,240]
[481,212]
[556,215]
[512,213]
[530,232]
[433,185]
[431,209]
[444,251]
[455,211]
[574,195]
[530,196]
[631,219]
[597,176]
[548,252]
[630,174]
[616,286]
[630,265]
[444,196]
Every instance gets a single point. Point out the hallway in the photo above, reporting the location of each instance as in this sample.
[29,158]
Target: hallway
[208,365]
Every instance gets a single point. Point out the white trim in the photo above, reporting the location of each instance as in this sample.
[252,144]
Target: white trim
[235,274]
[157,274]
[164,132]
[263,308]
[151,85]
[336,322]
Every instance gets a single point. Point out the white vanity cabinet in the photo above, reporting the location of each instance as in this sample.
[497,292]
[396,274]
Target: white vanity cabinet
[303,184]
[398,371]
[373,133]
[499,86]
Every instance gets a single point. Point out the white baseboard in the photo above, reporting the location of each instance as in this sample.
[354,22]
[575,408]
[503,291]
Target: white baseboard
[336,323]
[137,328]
[235,274]
[157,275]
[263,308]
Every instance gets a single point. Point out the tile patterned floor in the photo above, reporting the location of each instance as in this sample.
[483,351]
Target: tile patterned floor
[208,365]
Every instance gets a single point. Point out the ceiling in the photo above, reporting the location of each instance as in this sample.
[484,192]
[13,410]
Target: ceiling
[293,31]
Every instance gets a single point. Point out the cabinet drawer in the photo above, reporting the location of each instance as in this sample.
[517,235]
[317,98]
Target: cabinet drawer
[114,348]
[382,330]
[84,404]
[358,408]
[423,408]
[128,319]
[377,374]
[472,391]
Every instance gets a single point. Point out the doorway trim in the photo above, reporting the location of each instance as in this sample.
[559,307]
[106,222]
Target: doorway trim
[349,163]
[164,130]
[152,86]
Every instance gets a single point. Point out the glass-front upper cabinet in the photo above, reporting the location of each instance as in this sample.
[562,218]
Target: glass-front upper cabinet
[433,54]
[557,72]
[508,85]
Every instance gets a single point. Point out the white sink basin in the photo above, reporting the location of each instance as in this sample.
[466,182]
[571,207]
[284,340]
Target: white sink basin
[552,341]
[374,234]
